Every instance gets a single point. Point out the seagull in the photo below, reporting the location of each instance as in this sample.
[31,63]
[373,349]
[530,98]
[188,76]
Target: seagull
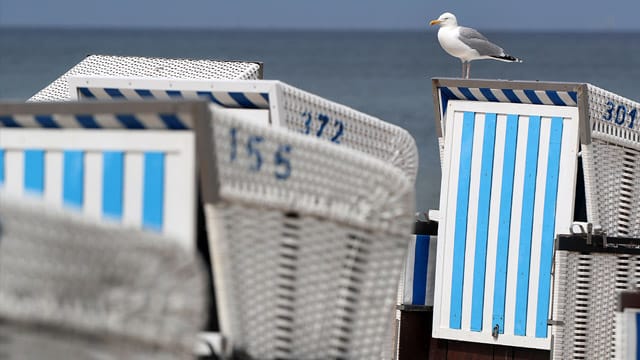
[467,44]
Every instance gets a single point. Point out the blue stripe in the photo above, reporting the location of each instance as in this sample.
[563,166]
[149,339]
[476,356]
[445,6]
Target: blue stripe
[112,183]
[85,92]
[146,94]
[484,203]
[173,122]
[8,121]
[511,96]
[114,93]
[460,233]
[46,121]
[467,93]
[555,98]
[548,226]
[153,190]
[637,340]
[526,225]
[174,94]
[488,94]
[34,170]
[446,95]
[504,222]
[209,96]
[242,100]
[421,259]
[574,96]
[1,166]
[73,178]
[265,96]
[129,121]
[533,97]
[87,121]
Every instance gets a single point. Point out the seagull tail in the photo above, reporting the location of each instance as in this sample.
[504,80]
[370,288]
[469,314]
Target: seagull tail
[507,58]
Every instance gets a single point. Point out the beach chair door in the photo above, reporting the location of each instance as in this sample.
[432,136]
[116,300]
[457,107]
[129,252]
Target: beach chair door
[508,188]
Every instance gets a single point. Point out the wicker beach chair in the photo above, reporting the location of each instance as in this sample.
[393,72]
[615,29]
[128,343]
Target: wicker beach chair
[591,273]
[307,241]
[272,102]
[72,287]
[148,67]
[127,162]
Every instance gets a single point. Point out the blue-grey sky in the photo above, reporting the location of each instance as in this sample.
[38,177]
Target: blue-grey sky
[616,15]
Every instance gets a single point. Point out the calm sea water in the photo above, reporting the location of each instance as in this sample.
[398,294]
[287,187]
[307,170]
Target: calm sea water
[386,74]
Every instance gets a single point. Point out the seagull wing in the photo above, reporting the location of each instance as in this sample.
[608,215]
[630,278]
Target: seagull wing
[475,40]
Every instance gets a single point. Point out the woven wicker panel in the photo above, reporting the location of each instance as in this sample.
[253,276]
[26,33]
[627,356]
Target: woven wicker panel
[612,163]
[308,113]
[307,266]
[585,293]
[97,280]
[130,66]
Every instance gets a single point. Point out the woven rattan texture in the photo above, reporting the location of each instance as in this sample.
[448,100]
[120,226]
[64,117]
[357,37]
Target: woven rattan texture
[322,179]
[63,271]
[612,163]
[307,265]
[585,293]
[617,125]
[359,131]
[304,288]
[130,66]
[613,174]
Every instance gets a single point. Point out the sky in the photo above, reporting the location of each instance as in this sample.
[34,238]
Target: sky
[585,15]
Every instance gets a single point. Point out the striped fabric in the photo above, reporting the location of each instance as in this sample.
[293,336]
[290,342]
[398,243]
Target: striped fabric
[98,121]
[537,97]
[228,99]
[502,203]
[419,276]
[91,181]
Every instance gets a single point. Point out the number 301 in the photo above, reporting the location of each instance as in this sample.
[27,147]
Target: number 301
[618,114]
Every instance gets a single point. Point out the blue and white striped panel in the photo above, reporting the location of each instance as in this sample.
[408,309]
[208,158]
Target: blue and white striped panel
[628,334]
[99,121]
[502,203]
[419,277]
[121,186]
[536,97]
[228,99]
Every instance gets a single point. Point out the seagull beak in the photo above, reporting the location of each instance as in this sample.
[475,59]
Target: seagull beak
[434,22]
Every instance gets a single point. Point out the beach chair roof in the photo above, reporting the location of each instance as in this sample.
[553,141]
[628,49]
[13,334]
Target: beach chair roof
[149,67]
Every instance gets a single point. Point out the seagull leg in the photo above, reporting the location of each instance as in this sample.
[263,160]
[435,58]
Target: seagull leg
[464,68]
[468,71]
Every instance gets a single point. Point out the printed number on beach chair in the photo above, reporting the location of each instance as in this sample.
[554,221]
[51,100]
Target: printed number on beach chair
[307,241]
[508,188]
[144,179]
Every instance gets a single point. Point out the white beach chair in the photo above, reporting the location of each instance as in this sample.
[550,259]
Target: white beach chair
[148,67]
[307,241]
[590,273]
[508,188]
[127,162]
[271,102]
[75,288]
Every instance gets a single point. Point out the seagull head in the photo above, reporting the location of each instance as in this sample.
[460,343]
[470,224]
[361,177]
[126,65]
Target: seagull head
[446,19]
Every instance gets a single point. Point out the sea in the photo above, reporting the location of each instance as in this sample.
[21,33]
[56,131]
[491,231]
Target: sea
[387,74]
